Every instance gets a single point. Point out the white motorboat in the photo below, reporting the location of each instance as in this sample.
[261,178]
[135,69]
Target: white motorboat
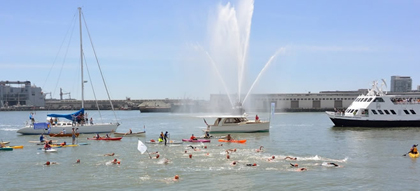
[377,109]
[237,124]
[76,120]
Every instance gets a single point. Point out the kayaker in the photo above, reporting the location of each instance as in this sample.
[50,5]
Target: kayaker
[107,136]
[161,137]
[193,137]
[228,137]
[413,149]
[97,136]
[47,146]
[41,138]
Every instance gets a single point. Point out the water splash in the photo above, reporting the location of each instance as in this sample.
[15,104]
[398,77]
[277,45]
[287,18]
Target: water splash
[263,70]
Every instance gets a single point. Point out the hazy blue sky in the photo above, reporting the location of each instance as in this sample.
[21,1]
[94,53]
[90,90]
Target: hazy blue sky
[148,49]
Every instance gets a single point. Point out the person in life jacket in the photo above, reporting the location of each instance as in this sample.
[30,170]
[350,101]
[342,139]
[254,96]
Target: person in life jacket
[413,149]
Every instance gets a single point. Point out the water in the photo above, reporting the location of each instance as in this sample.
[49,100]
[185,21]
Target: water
[371,159]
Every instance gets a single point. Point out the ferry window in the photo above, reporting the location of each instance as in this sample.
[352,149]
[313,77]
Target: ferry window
[351,111]
[374,112]
[393,112]
[412,111]
[378,100]
[406,112]
[380,112]
[370,99]
[386,111]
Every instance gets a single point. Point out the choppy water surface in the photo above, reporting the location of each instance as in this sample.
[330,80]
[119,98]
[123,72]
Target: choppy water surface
[369,158]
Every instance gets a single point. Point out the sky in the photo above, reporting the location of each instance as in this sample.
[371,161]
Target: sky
[158,49]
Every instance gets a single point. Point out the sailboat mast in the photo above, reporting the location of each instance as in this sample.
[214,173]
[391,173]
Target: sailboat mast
[81,57]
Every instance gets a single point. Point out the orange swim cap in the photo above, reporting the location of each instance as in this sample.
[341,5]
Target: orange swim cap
[296,165]
[119,162]
[255,164]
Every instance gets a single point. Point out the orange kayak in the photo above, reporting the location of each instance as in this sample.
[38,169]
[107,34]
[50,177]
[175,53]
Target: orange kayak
[233,141]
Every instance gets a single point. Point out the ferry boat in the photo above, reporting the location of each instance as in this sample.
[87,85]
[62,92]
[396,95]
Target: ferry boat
[377,109]
[237,124]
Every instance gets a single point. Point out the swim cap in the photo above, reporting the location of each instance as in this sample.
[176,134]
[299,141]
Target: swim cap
[227,156]
[273,157]
[255,164]
[119,162]
[190,155]
[47,163]
[176,177]
[296,165]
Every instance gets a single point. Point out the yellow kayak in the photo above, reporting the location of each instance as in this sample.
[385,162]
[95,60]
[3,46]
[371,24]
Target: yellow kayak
[413,155]
[15,147]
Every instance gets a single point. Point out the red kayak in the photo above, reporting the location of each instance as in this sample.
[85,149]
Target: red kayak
[106,139]
[196,140]
[233,141]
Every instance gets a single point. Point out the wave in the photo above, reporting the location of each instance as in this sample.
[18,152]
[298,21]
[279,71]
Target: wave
[9,129]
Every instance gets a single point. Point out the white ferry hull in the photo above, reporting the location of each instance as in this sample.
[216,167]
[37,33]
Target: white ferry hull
[85,129]
[344,121]
[242,128]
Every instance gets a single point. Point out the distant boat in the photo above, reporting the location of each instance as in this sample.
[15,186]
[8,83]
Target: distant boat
[377,109]
[237,124]
[76,119]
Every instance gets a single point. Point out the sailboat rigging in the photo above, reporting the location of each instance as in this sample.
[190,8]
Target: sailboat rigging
[76,119]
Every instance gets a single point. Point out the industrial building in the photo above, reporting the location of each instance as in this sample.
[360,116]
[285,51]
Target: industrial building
[20,94]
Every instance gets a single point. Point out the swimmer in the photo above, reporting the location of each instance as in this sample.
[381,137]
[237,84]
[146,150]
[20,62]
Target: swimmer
[290,158]
[109,154]
[221,145]
[48,163]
[115,161]
[176,177]
[255,164]
[157,156]
[165,161]
[302,169]
[234,163]
[294,165]
[231,150]
[78,161]
[260,149]
[271,158]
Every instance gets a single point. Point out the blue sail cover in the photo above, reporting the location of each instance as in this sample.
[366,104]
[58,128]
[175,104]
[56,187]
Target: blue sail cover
[68,116]
[43,125]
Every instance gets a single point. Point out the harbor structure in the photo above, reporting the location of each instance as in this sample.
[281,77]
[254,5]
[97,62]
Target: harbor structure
[20,95]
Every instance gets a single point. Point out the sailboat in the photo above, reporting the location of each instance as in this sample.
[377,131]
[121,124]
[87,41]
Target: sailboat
[76,120]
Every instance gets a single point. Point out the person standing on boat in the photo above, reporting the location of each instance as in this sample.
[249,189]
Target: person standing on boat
[166,137]
[257,119]
[73,136]
[41,138]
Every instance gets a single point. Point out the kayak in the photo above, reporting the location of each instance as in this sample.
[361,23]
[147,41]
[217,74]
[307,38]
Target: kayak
[6,149]
[233,141]
[59,146]
[15,147]
[106,139]
[413,155]
[129,135]
[49,150]
[197,140]
[62,135]
[169,142]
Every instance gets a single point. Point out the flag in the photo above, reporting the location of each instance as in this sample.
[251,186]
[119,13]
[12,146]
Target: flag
[141,147]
